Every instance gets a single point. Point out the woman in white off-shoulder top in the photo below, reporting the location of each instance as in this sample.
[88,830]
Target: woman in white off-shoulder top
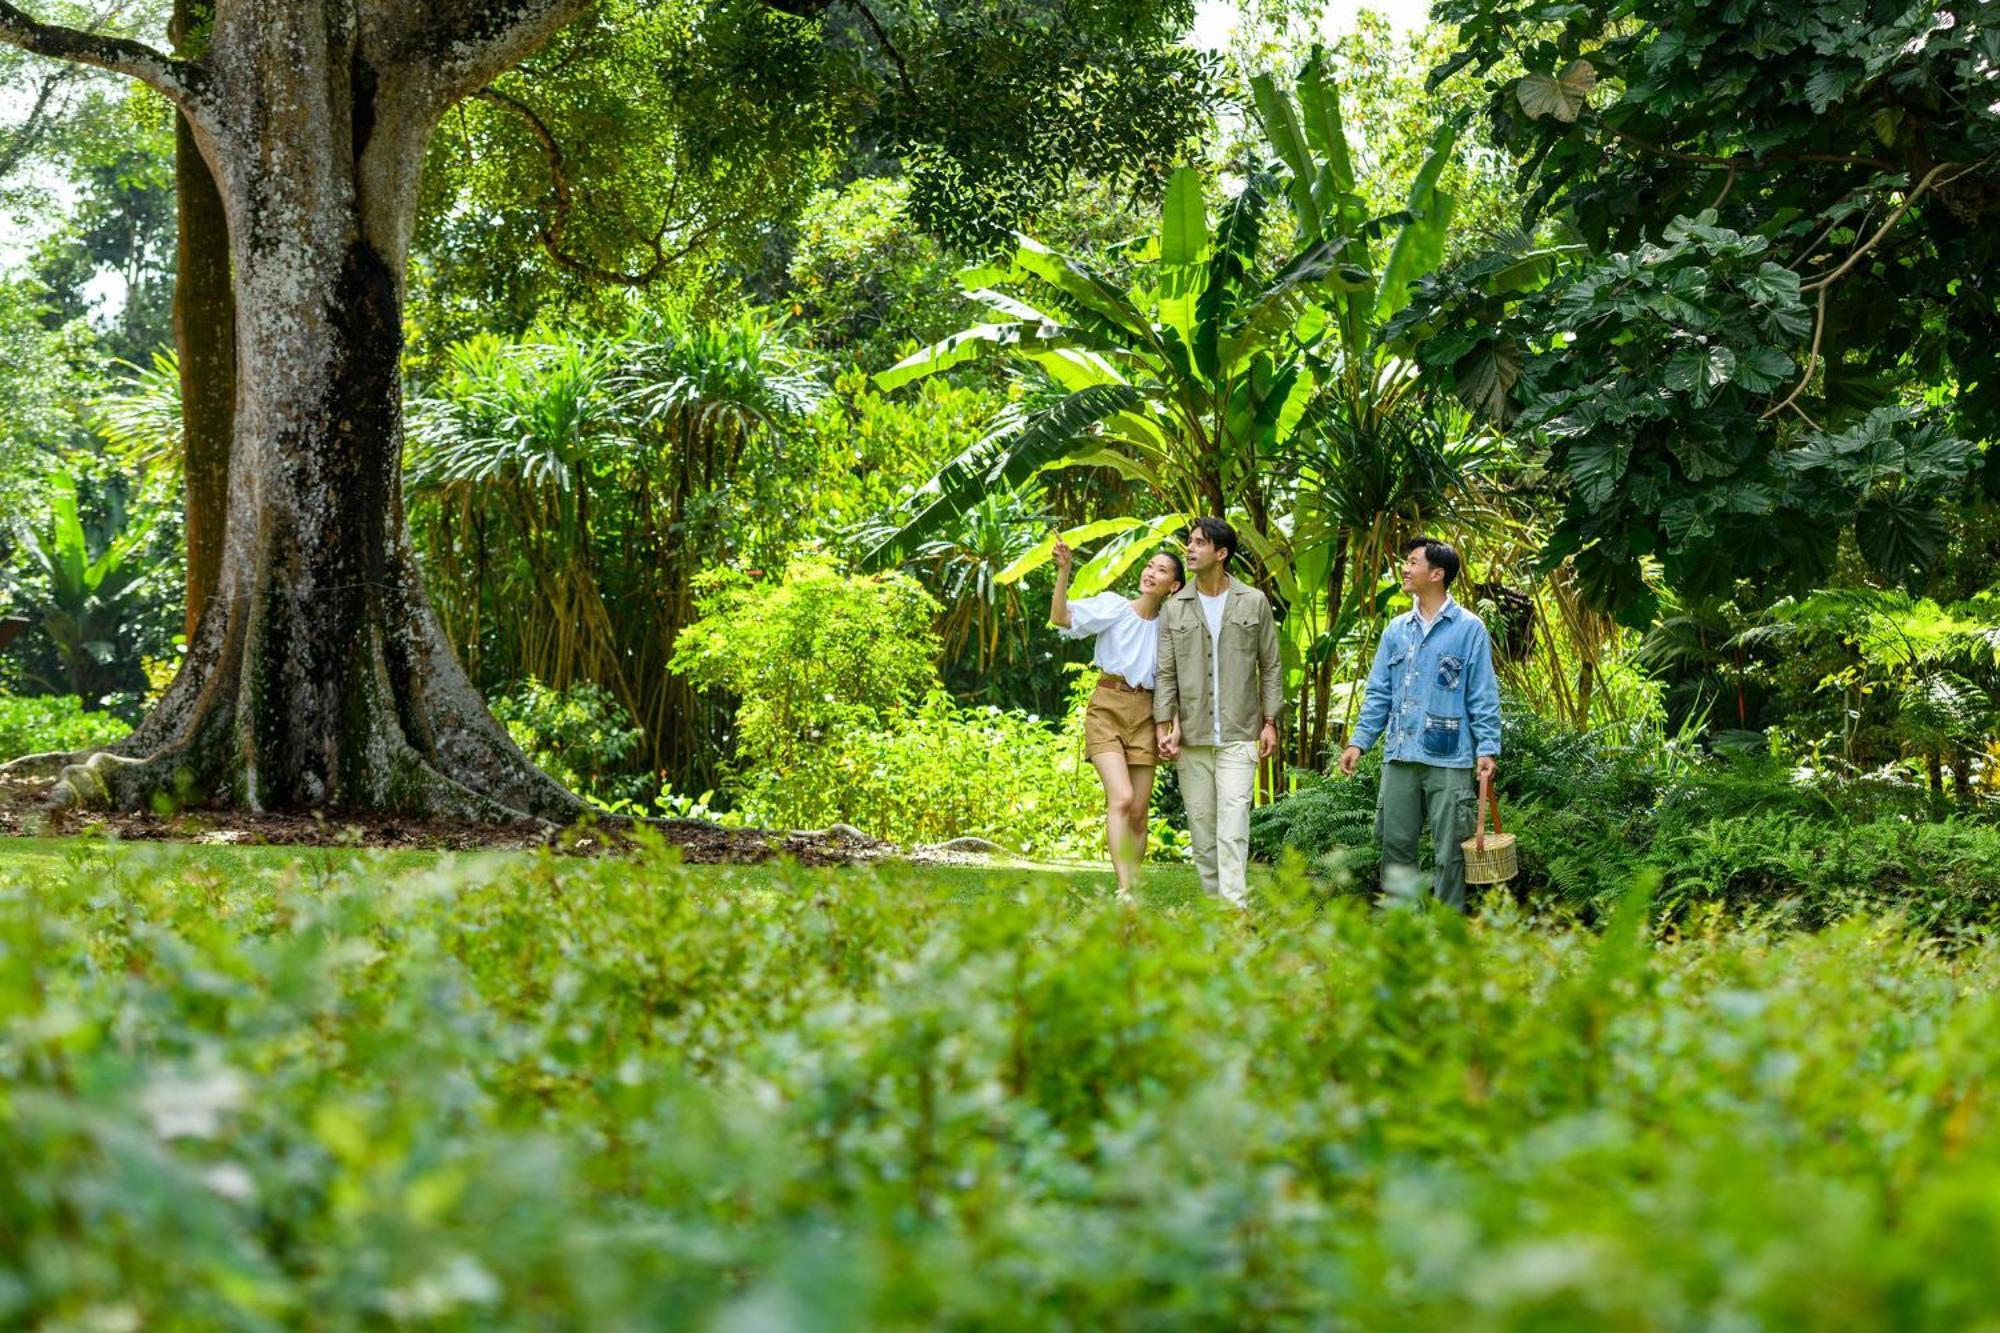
[1118,728]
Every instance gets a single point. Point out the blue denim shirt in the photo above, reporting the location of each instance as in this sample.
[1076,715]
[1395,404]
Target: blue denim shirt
[1432,698]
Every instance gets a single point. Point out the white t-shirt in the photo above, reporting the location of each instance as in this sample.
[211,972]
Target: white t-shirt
[1127,645]
[1424,623]
[1211,610]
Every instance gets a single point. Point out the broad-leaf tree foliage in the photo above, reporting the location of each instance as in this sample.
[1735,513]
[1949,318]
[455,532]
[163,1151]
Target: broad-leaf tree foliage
[664,140]
[1788,314]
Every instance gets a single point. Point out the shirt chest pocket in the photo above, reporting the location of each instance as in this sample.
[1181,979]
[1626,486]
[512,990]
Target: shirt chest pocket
[1446,684]
[1240,627]
[1398,666]
[1187,642]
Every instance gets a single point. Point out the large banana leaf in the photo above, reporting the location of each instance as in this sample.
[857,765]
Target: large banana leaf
[1343,208]
[1123,463]
[1287,137]
[1183,220]
[1089,289]
[1312,143]
[1074,369]
[1235,255]
[1273,311]
[1182,264]
[985,340]
[1275,559]
[1281,407]
[1419,246]
[1044,550]
[1018,447]
[1319,100]
[1124,551]
[1013,307]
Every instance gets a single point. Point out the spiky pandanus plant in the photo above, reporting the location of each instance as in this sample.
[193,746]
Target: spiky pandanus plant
[570,490]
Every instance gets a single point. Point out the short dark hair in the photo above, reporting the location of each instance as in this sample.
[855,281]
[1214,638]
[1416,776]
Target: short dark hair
[1438,555]
[1220,535]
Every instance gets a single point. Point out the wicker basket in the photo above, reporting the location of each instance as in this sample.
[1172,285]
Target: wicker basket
[1489,859]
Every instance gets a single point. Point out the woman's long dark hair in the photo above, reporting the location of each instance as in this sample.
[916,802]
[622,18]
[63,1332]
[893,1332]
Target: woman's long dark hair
[1180,570]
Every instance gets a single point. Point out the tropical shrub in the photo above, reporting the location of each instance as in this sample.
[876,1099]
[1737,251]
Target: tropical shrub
[806,652]
[603,1095]
[581,737]
[31,724]
[843,719]
[936,770]
[1594,810]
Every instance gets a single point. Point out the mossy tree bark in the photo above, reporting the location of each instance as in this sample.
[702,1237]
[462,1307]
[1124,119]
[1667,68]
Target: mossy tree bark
[204,337]
[317,676]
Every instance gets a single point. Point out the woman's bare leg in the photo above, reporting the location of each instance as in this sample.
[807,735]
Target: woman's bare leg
[1111,770]
[1142,814]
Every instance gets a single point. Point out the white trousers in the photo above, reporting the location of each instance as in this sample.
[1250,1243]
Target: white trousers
[1217,784]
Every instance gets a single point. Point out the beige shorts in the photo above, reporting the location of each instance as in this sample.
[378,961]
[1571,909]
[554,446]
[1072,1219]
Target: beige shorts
[1120,719]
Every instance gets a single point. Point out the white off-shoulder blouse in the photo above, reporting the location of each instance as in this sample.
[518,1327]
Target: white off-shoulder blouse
[1127,645]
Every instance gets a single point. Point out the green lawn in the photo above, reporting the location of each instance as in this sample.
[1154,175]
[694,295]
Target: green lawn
[1164,884]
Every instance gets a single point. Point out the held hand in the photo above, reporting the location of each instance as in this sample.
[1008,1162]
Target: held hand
[1267,741]
[1483,767]
[1349,759]
[1168,736]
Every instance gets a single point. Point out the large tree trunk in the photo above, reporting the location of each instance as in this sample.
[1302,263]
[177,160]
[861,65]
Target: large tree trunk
[205,338]
[318,676]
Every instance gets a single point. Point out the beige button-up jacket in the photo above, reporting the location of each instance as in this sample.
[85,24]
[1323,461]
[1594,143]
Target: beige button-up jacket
[1253,681]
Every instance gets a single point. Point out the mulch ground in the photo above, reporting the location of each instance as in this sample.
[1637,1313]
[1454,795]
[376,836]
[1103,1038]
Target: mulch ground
[24,812]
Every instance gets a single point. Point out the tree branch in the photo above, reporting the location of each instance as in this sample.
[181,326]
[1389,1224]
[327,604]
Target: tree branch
[466,44]
[1727,186]
[121,55]
[1746,161]
[1888,223]
[888,47]
[551,234]
[1791,399]
[1824,284]
[24,140]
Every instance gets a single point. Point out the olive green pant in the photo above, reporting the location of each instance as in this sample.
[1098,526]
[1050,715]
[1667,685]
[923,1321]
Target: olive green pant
[1412,794]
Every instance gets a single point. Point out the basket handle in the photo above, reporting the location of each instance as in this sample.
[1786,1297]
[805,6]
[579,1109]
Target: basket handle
[1487,797]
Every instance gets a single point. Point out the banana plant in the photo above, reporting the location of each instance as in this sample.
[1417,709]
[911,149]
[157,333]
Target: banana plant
[1372,453]
[1187,382]
[81,598]
[1215,384]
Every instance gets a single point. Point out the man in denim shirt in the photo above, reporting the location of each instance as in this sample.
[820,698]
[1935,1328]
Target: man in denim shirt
[1434,701]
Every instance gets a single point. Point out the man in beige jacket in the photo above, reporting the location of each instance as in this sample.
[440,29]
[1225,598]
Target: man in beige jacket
[1215,703]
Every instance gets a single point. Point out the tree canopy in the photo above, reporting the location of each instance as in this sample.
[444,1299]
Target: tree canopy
[1786,316]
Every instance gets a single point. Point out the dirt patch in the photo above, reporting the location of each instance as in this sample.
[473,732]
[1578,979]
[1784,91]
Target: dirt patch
[24,812]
